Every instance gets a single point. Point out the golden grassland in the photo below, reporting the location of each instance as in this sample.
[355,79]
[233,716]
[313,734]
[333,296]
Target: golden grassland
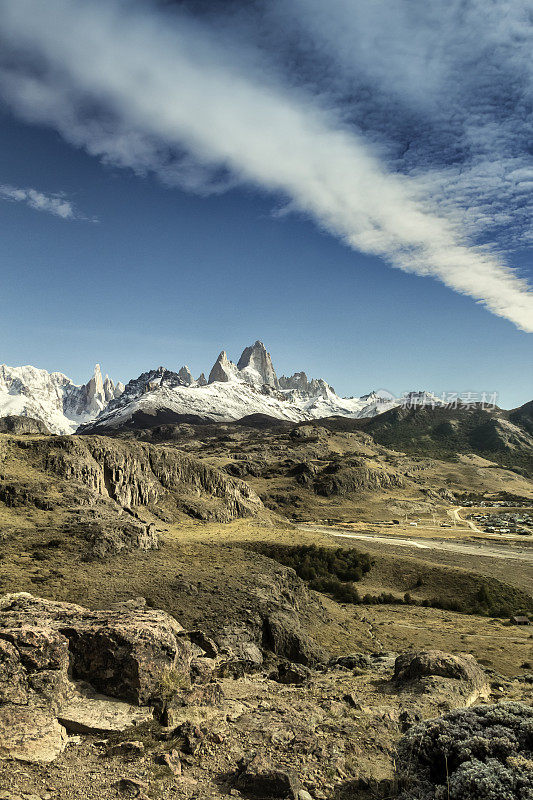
[218,566]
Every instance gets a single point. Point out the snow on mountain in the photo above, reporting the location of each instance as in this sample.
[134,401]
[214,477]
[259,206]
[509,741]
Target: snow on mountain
[53,398]
[159,396]
[234,391]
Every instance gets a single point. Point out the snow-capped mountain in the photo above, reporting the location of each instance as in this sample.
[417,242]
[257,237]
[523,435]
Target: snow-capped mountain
[233,391]
[160,396]
[53,398]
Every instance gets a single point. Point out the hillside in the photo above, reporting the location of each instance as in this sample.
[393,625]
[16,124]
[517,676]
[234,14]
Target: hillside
[329,469]
[505,437]
[110,495]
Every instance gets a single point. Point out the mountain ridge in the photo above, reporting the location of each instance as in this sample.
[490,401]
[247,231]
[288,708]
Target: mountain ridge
[161,396]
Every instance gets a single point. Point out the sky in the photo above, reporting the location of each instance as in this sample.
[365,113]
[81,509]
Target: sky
[349,182]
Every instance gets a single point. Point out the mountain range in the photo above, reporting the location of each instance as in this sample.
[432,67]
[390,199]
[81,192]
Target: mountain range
[161,396]
[53,398]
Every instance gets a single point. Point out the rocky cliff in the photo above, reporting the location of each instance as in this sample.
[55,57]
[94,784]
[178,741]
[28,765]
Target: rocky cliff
[112,493]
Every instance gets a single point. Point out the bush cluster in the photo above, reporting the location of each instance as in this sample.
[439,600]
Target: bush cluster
[490,600]
[311,562]
[334,571]
[481,753]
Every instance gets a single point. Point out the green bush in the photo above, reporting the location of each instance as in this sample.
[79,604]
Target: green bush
[481,753]
[311,562]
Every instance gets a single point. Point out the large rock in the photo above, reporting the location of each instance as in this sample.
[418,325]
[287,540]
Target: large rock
[418,669]
[283,635]
[128,656]
[260,778]
[86,711]
[30,734]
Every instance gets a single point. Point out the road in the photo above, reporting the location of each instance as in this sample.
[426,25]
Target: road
[455,514]
[510,552]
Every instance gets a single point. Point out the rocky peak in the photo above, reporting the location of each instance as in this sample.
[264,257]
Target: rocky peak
[257,365]
[95,387]
[223,369]
[186,376]
[109,389]
[202,380]
[316,387]
[298,382]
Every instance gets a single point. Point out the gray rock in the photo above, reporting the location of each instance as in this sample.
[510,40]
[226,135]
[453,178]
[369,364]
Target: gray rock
[49,652]
[288,673]
[260,778]
[28,733]
[415,669]
[284,636]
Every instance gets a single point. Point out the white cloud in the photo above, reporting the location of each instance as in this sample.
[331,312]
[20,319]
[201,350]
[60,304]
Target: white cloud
[54,204]
[168,95]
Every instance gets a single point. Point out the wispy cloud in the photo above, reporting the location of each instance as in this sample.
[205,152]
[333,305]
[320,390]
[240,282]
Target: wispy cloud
[383,122]
[55,204]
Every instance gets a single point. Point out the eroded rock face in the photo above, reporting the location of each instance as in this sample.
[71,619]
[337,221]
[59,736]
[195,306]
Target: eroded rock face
[133,474]
[284,637]
[132,654]
[22,425]
[354,475]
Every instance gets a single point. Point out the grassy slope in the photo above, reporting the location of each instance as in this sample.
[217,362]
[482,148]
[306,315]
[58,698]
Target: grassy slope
[220,563]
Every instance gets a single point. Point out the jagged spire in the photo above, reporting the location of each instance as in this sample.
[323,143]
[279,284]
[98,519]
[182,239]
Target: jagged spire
[223,369]
[257,358]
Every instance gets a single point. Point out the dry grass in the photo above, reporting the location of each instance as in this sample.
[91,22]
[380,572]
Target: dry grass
[207,575]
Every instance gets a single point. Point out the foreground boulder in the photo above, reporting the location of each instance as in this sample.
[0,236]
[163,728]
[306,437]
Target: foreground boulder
[421,671]
[283,635]
[91,670]
[259,778]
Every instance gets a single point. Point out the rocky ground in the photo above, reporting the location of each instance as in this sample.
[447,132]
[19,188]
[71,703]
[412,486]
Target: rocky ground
[225,722]
[143,654]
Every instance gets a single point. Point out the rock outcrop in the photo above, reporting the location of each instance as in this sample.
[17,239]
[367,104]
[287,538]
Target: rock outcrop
[20,426]
[349,476]
[421,671]
[64,666]
[121,476]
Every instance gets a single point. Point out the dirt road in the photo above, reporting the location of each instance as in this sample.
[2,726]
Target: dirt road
[510,551]
[455,514]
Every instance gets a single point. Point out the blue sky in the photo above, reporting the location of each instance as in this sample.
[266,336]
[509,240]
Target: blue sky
[363,209]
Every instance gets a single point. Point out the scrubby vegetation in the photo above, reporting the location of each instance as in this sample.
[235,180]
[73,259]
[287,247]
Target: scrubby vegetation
[328,570]
[312,563]
[490,599]
[334,571]
[483,753]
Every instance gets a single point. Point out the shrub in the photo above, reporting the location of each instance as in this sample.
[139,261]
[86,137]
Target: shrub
[311,562]
[481,753]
